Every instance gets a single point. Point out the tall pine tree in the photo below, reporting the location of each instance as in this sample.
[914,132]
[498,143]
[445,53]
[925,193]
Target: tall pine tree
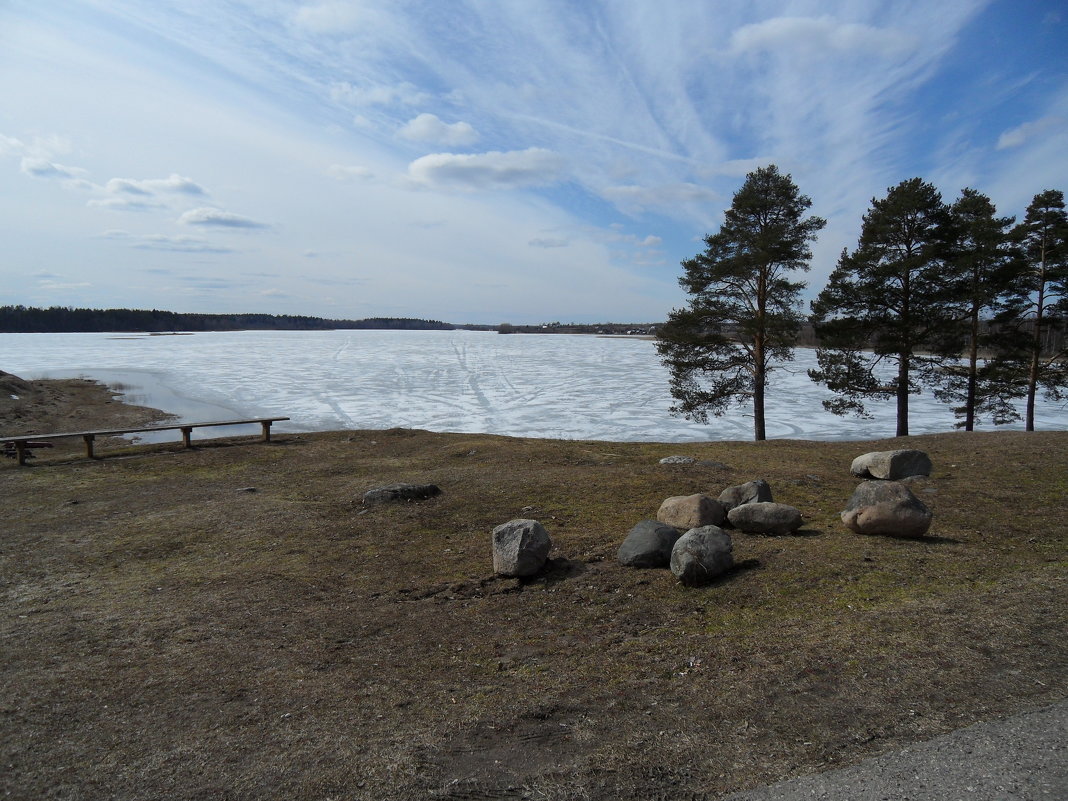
[887,307]
[1038,309]
[744,312]
[980,265]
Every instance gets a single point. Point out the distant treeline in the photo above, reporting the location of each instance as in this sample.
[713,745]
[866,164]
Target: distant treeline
[61,319]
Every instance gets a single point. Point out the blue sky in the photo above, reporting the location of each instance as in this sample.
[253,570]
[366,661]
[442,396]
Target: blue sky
[484,161]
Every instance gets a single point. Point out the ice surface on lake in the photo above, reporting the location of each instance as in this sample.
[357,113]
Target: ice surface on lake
[559,386]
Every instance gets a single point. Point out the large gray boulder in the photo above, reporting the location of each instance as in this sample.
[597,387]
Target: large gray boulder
[691,511]
[701,554]
[891,465]
[401,492]
[765,518]
[751,492]
[886,507]
[649,544]
[520,548]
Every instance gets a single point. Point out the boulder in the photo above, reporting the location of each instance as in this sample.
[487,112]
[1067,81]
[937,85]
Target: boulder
[765,518]
[701,554]
[886,507]
[691,511]
[520,548]
[401,492]
[751,492]
[649,544]
[891,465]
[677,460]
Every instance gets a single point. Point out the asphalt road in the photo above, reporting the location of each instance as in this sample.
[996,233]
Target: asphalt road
[1021,758]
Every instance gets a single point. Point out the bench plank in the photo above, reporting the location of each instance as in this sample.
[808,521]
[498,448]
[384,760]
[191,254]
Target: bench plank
[23,441]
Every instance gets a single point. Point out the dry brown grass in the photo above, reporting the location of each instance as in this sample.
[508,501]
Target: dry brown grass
[167,634]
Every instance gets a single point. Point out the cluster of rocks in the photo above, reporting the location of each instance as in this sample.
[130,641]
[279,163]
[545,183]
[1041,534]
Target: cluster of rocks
[688,535]
[883,504]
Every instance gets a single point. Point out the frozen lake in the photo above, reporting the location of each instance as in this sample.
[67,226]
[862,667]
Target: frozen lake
[557,386]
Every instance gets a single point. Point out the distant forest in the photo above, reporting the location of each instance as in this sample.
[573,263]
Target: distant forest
[60,319]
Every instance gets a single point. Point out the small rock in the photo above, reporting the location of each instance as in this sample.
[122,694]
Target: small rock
[691,511]
[401,492]
[649,544]
[701,554]
[886,507]
[520,548]
[677,460]
[891,465]
[247,489]
[751,492]
[765,518]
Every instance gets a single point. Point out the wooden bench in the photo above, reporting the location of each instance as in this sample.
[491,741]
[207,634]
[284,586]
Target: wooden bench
[22,444]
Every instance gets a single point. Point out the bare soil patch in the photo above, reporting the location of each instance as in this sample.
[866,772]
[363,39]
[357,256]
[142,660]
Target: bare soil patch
[230,622]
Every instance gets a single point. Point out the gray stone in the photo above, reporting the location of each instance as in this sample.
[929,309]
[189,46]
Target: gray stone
[701,554]
[765,518]
[520,548]
[751,492]
[677,460]
[891,465]
[649,544]
[401,492]
[886,507]
[691,511]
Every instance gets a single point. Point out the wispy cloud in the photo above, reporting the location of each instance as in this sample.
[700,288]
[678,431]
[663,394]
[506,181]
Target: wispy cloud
[344,172]
[1015,137]
[43,168]
[429,128]
[534,166]
[175,184]
[548,242]
[217,218]
[174,244]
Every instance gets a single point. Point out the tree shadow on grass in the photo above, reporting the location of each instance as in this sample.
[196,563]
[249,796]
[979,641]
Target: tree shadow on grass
[739,569]
[924,540]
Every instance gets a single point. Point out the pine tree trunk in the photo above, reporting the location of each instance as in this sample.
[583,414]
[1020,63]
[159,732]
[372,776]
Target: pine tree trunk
[759,378]
[1036,346]
[903,395]
[973,374]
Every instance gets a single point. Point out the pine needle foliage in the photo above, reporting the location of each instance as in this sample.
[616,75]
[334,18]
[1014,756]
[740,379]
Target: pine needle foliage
[744,314]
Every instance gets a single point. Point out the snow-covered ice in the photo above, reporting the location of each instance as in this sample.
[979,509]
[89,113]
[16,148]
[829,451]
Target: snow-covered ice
[559,386]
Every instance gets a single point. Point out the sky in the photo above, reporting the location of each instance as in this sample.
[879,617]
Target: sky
[485,161]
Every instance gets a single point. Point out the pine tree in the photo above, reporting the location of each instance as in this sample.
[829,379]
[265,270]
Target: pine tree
[981,267]
[744,311]
[886,305]
[1039,305]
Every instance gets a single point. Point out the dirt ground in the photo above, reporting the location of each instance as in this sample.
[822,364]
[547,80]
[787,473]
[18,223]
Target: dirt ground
[231,622]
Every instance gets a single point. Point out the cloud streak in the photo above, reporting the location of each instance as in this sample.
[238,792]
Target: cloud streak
[217,218]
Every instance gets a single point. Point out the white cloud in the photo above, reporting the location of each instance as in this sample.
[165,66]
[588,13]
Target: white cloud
[217,218]
[378,94]
[124,204]
[332,17]
[534,166]
[632,198]
[176,244]
[43,168]
[1014,137]
[343,172]
[817,35]
[429,128]
[548,242]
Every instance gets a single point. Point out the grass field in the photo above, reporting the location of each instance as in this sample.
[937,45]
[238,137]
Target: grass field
[230,622]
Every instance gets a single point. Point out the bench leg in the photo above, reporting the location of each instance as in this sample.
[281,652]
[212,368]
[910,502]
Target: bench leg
[20,452]
[266,430]
[187,432]
[88,445]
